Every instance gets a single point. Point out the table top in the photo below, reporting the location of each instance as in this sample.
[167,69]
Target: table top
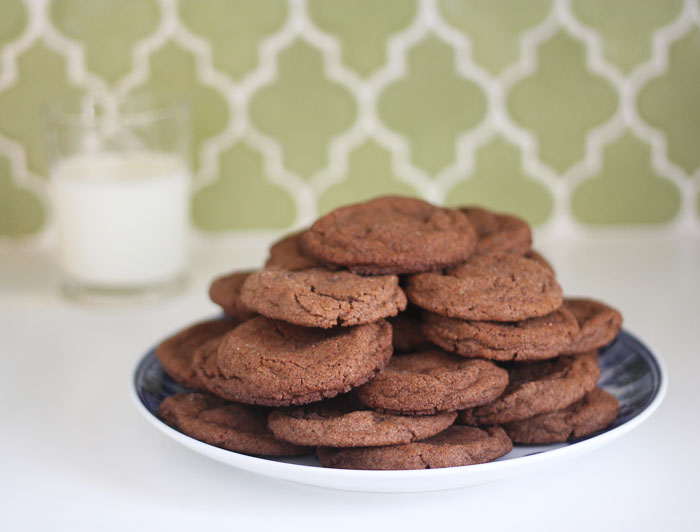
[76,454]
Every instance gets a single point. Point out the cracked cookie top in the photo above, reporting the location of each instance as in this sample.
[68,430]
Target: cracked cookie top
[390,235]
[319,297]
[498,232]
[455,446]
[432,381]
[494,287]
[598,324]
[274,363]
[531,339]
[339,422]
[594,412]
[288,255]
[225,291]
[231,426]
[538,388]
[176,352]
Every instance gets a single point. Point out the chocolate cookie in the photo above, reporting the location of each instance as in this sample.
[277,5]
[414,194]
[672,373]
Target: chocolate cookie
[274,363]
[526,340]
[495,287]
[538,388]
[432,381]
[226,292]
[339,423]
[287,255]
[598,324]
[231,426]
[498,232]
[456,446]
[391,235]
[319,297]
[594,412]
[176,353]
[407,335]
[538,258]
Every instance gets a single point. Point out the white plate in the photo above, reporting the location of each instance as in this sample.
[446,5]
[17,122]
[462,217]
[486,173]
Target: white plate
[628,370]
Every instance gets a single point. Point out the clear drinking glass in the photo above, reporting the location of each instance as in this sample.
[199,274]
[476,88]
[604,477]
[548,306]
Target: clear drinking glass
[120,186]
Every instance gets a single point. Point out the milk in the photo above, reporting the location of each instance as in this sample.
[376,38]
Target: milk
[122,217]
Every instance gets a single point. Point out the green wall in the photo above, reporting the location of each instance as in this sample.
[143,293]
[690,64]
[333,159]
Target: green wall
[587,110]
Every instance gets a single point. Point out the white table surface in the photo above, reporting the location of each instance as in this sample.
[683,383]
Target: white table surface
[76,455]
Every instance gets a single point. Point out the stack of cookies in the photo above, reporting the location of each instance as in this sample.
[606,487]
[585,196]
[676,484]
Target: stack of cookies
[394,334]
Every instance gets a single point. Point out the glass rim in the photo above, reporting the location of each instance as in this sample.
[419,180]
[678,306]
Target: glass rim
[64,109]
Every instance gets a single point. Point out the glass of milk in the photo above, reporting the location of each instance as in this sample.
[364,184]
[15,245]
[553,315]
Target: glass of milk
[120,186]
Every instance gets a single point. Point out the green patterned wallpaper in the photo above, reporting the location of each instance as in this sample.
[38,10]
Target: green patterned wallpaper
[572,113]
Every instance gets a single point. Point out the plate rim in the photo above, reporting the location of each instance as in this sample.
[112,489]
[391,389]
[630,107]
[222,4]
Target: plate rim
[296,472]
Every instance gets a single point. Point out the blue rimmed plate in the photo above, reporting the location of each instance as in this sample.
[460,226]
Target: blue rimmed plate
[628,370]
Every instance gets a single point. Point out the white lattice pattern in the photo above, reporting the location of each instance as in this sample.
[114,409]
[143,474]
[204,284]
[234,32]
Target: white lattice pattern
[366,91]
